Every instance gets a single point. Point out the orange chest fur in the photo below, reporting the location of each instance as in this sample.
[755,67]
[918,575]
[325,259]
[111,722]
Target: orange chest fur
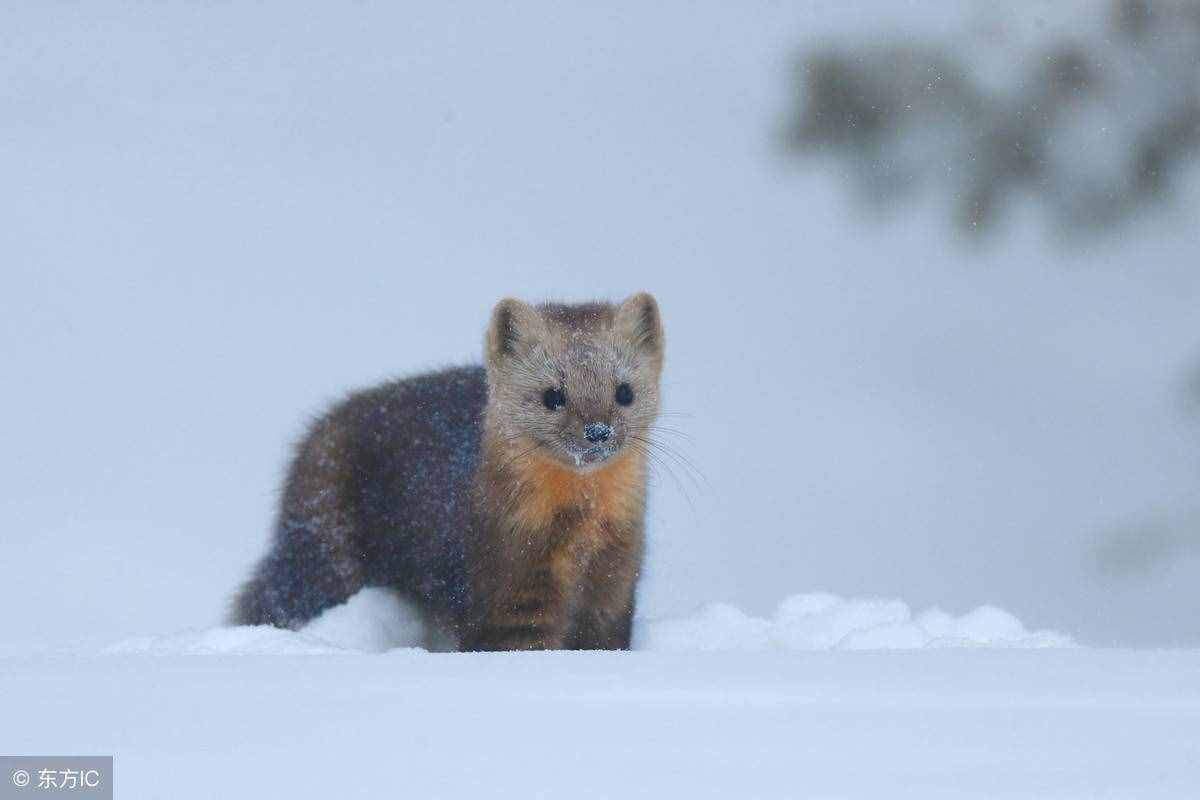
[606,499]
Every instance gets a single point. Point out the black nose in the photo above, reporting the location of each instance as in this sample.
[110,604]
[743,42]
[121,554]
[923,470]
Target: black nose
[597,432]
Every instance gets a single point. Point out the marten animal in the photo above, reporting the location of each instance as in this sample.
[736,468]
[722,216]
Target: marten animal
[507,501]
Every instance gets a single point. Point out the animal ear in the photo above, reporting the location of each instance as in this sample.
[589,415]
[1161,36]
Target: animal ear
[639,322]
[514,326]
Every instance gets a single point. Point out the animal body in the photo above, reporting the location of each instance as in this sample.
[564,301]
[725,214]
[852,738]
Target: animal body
[506,500]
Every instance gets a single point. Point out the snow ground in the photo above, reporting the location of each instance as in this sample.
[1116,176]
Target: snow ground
[1048,723]
[941,706]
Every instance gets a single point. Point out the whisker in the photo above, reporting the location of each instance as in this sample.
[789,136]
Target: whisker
[671,431]
[657,462]
[698,479]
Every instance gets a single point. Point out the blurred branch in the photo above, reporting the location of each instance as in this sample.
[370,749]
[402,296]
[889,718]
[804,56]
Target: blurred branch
[1095,129]
[1143,547]
[1140,548]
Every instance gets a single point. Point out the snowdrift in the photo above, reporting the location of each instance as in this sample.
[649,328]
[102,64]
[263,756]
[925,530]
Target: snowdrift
[376,621]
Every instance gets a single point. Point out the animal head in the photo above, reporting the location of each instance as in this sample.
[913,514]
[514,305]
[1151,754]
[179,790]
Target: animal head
[578,384]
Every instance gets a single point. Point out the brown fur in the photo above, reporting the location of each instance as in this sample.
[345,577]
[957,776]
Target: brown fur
[558,557]
[501,516]
[563,571]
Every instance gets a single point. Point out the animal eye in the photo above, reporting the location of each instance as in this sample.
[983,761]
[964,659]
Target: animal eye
[624,394]
[554,399]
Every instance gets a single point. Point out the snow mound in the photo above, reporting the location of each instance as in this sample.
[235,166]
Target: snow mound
[372,621]
[377,621]
[828,622]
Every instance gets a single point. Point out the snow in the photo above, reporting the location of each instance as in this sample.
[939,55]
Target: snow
[243,640]
[716,704]
[372,621]
[828,622]
[377,620]
[932,723]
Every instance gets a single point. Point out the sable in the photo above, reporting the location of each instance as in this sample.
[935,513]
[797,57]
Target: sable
[507,501]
